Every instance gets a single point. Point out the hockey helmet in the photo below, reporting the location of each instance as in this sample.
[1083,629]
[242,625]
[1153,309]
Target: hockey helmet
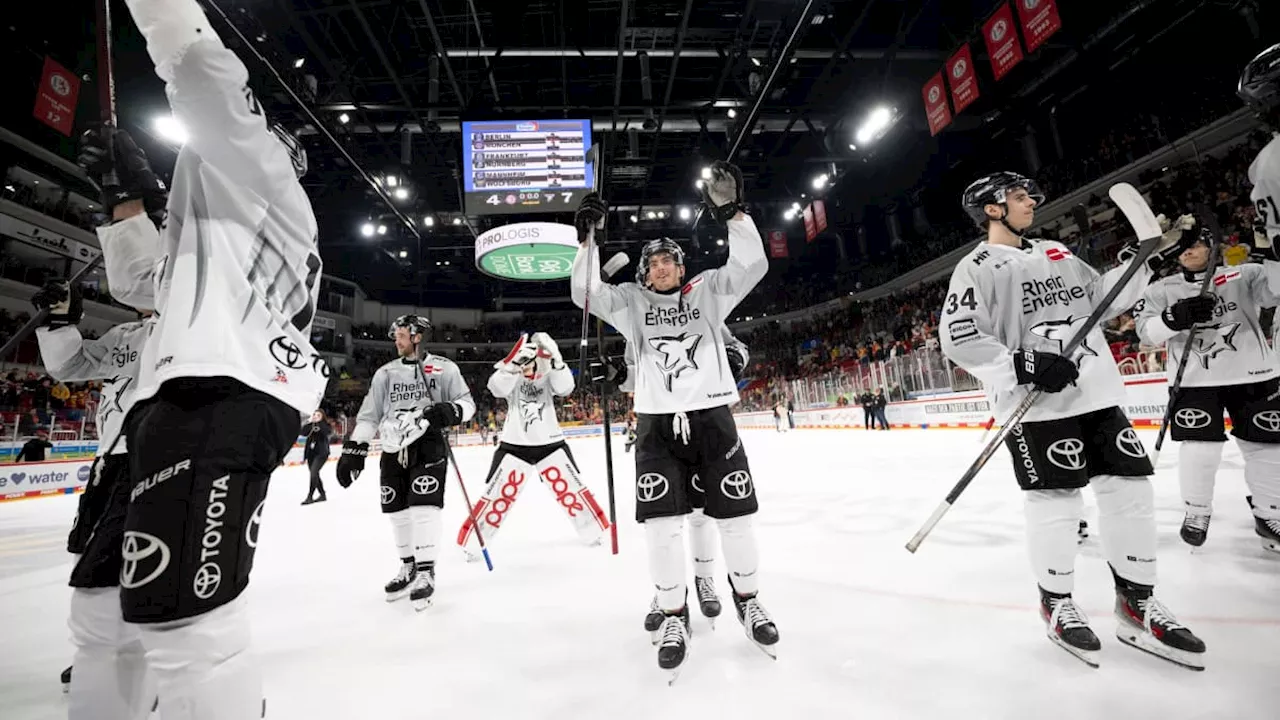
[297,153]
[417,325]
[654,247]
[1260,82]
[992,190]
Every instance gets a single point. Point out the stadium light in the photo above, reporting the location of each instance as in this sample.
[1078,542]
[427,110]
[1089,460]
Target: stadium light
[635,219]
[366,229]
[382,229]
[428,221]
[457,221]
[720,241]
[404,253]
[685,213]
[874,127]
[651,215]
[170,130]
[402,193]
[795,207]
[706,173]
[732,113]
[789,215]
[299,62]
[344,118]
[662,215]
[391,180]
[820,181]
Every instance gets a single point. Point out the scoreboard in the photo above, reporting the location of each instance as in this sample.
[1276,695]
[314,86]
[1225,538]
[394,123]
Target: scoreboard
[525,166]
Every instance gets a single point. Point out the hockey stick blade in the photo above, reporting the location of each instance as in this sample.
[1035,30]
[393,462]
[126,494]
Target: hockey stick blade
[1135,210]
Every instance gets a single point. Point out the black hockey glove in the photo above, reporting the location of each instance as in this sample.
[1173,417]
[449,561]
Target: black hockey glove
[737,360]
[1048,371]
[591,214]
[1189,311]
[443,414]
[722,194]
[611,373]
[134,178]
[62,301]
[351,462]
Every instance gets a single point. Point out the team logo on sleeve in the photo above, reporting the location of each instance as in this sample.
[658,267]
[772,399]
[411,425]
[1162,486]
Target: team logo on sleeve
[677,355]
[1213,340]
[1061,332]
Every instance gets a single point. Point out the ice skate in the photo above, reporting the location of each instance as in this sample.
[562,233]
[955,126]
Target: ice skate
[1068,628]
[653,622]
[1268,532]
[399,585]
[708,601]
[1145,623]
[673,649]
[756,622]
[1195,526]
[424,586]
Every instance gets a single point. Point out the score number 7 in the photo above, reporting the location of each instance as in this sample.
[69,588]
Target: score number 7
[566,196]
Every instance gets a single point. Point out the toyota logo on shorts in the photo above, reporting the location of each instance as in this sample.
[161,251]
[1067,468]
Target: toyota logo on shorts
[651,486]
[207,580]
[388,494]
[736,485]
[1267,421]
[1128,443]
[136,549]
[424,485]
[287,353]
[251,527]
[695,483]
[1192,418]
[1067,454]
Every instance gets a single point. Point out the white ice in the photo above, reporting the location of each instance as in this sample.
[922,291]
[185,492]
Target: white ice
[869,631]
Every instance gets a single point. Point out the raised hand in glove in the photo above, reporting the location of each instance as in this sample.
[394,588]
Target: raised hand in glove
[723,192]
[737,356]
[1189,311]
[443,414]
[62,301]
[1050,372]
[522,353]
[591,213]
[547,348]
[611,373]
[351,462]
[114,161]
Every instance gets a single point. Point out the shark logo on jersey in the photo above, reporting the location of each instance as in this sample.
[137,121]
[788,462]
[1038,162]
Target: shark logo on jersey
[677,354]
[1213,340]
[532,403]
[115,399]
[1061,331]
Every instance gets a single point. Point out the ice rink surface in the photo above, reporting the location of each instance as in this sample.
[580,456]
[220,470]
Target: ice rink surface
[868,630]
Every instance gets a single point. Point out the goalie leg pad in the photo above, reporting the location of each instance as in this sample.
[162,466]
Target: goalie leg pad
[507,477]
[559,473]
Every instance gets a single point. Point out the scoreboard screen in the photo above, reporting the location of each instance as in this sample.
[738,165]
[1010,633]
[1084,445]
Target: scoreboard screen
[525,166]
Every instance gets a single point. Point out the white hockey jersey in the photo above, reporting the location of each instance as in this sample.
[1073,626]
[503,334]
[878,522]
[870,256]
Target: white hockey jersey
[629,357]
[1264,173]
[680,355]
[236,281]
[1003,299]
[531,411]
[1229,350]
[114,359]
[397,394]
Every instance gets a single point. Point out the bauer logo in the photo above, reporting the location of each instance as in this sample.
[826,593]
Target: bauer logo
[999,30]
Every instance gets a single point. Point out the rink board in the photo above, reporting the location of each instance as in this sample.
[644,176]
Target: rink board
[1144,403]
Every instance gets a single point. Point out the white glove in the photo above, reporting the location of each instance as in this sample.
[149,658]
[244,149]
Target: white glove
[547,348]
[1173,229]
[522,353]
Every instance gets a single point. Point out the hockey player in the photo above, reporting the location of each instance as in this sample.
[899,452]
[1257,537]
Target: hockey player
[412,400]
[684,390]
[532,445]
[1012,306]
[227,373]
[316,454]
[110,681]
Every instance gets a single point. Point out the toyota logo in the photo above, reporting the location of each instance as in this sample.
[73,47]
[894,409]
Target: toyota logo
[736,485]
[1267,421]
[651,486]
[1128,443]
[136,548]
[251,527]
[287,353]
[1067,454]
[207,580]
[425,485]
[388,494]
[695,483]
[1192,418]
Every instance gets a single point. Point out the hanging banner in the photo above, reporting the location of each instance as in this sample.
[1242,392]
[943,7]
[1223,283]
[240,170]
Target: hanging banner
[961,78]
[935,104]
[1002,41]
[1039,20]
[820,214]
[810,227]
[56,97]
[778,243]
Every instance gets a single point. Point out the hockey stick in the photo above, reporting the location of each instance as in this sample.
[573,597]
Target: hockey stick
[608,441]
[592,154]
[1211,222]
[1139,214]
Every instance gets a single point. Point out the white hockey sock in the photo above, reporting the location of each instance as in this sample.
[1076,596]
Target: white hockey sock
[1197,468]
[1126,514]
[741,553]
[427,527]
[665,539]
[1262,475]
[402,531]
[1053,522]
[702,544]
[110,679]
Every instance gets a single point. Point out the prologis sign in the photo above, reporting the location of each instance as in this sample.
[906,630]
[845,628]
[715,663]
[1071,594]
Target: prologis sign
[531,251]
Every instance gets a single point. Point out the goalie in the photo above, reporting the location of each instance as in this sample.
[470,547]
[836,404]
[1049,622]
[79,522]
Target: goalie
[532,444]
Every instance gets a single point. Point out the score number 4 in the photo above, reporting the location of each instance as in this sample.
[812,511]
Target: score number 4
[565,197]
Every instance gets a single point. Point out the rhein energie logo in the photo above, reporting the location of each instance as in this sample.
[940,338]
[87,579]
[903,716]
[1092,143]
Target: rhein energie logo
[673,317]
[1040,294]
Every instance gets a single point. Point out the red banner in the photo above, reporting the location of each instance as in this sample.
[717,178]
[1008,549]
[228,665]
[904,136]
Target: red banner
[1039,21]
[810,227]
[820,214]
[935,104]
[778,244]
[1002,41]
[961,78]
[56,97]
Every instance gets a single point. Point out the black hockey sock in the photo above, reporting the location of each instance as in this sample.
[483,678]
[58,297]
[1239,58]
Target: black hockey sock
[1130,589]
[426,566]
[1045,594]
[407,560]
